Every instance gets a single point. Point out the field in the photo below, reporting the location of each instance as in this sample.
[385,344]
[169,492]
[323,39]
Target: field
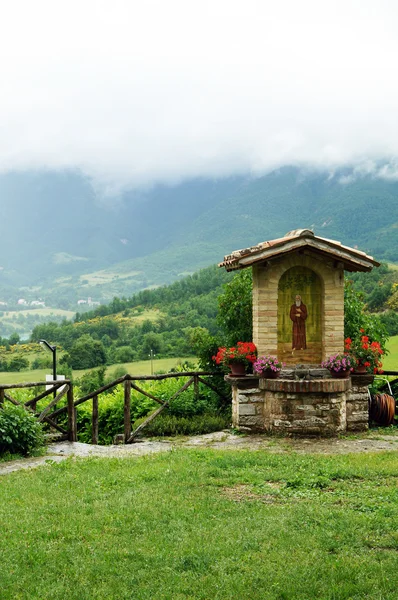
[44,312]
[390,362]
[105,277]
[142,367]
[200,524]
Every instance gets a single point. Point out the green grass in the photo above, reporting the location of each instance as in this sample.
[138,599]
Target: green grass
[390,362]
[202,524]
[142,367]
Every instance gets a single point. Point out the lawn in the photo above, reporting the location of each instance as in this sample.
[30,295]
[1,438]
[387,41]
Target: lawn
[201,524]
[390,362]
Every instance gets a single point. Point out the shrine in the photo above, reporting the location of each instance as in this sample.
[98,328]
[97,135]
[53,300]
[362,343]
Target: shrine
[298,316]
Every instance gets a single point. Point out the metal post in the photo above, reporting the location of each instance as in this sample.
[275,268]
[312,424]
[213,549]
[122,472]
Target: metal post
[54,351]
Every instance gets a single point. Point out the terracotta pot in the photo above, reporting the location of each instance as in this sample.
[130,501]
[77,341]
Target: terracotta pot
[360,369]
[270,374]
[238,369]
[340,374]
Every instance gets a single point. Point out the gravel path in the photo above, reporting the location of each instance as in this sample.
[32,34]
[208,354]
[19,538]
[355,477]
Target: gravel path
[376,441]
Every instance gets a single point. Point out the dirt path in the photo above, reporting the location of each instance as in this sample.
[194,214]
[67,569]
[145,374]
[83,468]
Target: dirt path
[374,441]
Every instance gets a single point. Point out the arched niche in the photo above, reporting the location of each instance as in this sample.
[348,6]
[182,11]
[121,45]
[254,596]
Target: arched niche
[300,316]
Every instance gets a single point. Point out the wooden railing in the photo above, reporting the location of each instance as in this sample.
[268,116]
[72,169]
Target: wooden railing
[129,383]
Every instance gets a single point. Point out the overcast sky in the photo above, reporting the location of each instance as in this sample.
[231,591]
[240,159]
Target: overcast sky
[138,91]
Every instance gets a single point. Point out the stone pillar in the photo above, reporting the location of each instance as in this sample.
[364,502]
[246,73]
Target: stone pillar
[247,403]
[358,403]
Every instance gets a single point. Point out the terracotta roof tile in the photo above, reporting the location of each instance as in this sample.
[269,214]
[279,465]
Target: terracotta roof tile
[352,258]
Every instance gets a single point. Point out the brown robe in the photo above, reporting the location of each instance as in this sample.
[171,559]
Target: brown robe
[299,340]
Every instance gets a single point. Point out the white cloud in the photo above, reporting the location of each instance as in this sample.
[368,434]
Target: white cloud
[134,92]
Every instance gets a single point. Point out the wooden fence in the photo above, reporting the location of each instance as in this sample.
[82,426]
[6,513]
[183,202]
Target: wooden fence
[50,413]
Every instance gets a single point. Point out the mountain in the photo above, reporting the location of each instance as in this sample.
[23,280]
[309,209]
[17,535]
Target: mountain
[61,241]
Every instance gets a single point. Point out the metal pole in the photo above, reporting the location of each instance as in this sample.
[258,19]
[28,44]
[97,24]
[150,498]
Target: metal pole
[54,351]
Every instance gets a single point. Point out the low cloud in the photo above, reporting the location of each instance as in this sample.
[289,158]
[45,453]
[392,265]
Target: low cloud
[135,93]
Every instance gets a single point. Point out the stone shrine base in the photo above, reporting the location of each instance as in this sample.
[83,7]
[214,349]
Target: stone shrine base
[303,401]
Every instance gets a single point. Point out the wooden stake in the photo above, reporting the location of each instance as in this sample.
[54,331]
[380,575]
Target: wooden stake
[127,410]
[94,438]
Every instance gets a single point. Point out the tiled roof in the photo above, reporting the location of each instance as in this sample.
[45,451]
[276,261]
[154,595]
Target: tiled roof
[353,259]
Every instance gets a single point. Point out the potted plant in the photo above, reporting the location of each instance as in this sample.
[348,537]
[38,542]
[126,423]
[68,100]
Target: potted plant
[238,358]
[268,366]
[366,354]
[339,365]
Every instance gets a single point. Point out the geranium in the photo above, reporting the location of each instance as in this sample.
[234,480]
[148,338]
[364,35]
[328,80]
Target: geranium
[243,352]
[267,362]
[339,363]
[365,352]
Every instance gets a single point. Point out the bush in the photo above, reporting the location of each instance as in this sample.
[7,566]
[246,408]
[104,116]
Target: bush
[20,432]
[196,425]
[18,363]
[123,354]
[91,381]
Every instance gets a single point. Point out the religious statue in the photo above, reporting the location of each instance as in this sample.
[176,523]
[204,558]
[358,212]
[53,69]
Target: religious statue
[298,314]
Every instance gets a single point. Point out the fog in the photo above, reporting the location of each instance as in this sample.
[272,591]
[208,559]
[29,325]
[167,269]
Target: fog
[135,93]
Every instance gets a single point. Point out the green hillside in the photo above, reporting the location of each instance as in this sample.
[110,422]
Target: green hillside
[73,244]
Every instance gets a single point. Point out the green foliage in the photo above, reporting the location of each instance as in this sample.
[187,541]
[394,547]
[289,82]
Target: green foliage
[389,318]
[20,432]
[86,353]
[235,308]
[18,363]
[204,346]
[169,425]
[356,317]
[91,381]
[42,362]
[123,354]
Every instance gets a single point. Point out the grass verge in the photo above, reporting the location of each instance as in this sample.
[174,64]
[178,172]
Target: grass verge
[200,524]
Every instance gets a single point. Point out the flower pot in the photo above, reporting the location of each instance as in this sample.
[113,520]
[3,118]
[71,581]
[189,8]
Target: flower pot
[270,374]
[340,374]
[238,369]
[360,370]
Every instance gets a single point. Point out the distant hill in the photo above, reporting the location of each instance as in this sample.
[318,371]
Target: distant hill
[61,242]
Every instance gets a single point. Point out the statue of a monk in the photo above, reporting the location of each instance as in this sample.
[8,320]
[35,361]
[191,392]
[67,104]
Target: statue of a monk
[298,314]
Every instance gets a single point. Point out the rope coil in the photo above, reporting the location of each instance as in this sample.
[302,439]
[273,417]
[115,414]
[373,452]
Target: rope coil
[382,409]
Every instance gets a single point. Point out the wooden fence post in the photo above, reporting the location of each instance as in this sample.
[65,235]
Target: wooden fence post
[127,409]
[72,425]
[94,437]
[196,387]
[2,392]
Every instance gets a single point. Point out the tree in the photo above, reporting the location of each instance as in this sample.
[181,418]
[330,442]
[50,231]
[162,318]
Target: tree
[152,341]
[87,352]
[235,308]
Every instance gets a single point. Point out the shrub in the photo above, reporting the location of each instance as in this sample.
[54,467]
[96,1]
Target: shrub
[18,363]
[123,354]
[20,432]
[169,425]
